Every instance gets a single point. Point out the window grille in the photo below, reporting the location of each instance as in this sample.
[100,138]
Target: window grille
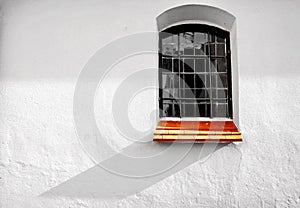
[195,72]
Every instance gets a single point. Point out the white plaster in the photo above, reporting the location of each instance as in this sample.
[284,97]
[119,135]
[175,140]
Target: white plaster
[44,46]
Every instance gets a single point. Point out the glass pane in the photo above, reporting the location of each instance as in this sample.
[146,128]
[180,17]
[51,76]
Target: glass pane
[186,41]
[171,109]
[200,80]
[167,64]
[189,110]
[200,38]
[200,65]
[219,110]
[221,49]
[222,93]
[188,93]
[219,93]
[167,93]
[219,80]
[201,93]
[176,65]
[189,80]
[170,45]
[200,50]
[167,106]
[220,39]
[212,49]
[223,82]
[164,81]
[221,65]
[203,109]
[188,65]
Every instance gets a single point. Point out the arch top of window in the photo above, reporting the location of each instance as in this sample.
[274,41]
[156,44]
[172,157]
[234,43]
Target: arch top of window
[195,13]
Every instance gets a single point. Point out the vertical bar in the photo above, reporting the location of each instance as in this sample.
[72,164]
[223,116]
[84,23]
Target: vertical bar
[160,100]
[194,77]
[210,82]
[179,74]
[229,78]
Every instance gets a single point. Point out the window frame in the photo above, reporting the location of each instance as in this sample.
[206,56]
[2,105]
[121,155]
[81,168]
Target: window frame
[203,28]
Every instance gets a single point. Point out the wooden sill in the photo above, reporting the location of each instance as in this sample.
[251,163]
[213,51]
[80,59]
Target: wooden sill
[197,131]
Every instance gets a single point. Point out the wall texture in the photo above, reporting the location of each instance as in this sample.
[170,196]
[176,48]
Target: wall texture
[44,46]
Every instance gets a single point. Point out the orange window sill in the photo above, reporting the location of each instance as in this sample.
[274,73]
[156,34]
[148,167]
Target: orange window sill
[197,131]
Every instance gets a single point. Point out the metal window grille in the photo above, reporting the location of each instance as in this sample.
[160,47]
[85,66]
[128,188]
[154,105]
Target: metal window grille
[195,72]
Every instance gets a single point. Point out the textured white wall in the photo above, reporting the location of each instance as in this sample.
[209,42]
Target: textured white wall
[44,46]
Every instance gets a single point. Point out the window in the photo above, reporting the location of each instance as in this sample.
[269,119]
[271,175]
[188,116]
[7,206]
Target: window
[198,87]
[195,72]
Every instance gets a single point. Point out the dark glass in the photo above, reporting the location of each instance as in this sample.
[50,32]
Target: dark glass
[176,65]
[167,64]
[189,65]
[203,110]
[199,80]
[200,65]
[221,49]
[223,83]
[212,51]
[221,65]
[201,93]
[220,39]
[189,80]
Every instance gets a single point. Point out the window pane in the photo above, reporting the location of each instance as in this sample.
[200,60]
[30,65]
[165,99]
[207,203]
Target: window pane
[186,41]
[200,50]
[200,65]
[189,110]
[219,80]
[203,109]
[221,65]
[188,93]
[220,39]
[219,110]
[213,64]
[212,49]
[189,65]
[176,65]
[199,80]
[189,80]
[223,82]
[171,109]
[167,93]
[211,38]
[201,93]
[170,45]
[167,64]
[221,49]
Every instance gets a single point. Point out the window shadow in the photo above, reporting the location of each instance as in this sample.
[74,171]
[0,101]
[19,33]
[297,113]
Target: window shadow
[98,182]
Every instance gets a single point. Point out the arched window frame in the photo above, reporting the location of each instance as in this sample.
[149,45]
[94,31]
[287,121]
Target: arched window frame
[211,34]
[215,17]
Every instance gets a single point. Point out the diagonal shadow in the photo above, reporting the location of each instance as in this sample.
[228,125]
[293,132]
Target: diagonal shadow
[98,182]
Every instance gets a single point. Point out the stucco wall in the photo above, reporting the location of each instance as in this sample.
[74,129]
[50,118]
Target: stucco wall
[45,45]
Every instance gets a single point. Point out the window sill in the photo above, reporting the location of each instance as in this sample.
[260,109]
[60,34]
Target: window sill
[182,130]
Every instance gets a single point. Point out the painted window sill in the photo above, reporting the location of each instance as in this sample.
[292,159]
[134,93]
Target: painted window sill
[217,131]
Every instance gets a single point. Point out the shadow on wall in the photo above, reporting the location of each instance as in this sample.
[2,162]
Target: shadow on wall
[98,182]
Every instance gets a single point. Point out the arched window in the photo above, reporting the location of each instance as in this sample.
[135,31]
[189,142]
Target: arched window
[198,86]
[195,72]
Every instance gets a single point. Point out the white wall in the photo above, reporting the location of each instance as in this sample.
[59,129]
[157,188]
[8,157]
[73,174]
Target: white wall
[44,46]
